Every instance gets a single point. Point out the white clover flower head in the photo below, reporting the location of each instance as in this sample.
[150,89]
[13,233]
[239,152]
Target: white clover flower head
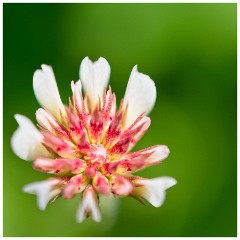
[86,145]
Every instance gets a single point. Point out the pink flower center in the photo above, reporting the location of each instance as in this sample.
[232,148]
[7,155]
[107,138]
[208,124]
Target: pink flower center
[96,156]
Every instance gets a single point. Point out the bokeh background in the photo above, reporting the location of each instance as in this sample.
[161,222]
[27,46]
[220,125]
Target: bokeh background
[190,52]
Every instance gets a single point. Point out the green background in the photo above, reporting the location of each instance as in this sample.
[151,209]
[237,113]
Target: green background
[189,50]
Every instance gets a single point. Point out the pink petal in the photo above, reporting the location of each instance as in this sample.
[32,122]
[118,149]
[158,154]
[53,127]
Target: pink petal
[65,149]
[76,185]
[90,171]
[109,106]
[83,143]
[59,166]
[114,131]
[96,126]
[131,136]
[121,186]
[101,184]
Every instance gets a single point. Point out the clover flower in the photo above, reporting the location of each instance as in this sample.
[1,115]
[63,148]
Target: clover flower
[86,145]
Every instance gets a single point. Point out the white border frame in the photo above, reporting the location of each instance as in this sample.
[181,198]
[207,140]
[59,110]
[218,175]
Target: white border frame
[108,1]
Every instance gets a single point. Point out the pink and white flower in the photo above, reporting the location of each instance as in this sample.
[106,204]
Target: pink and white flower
[85,145]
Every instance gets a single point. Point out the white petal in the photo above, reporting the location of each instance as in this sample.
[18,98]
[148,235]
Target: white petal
[160,152]
[46,91]
[88,204]
[94,77]
[140,95]
[26,140]
[43,190]
[77,94]
[45,119]
[76,86]
[153,190]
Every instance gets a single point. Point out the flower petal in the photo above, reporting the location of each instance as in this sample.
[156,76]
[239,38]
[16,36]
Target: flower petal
[46,91]
[59,165]
[62,147]
[137,130]
[26,140]
[156,154]
[121,186]
[47,121]
[44,190]
[153,190]
[130,136]
[101,184]
[147,157]
[75,185]
[140,96]
[136,161]
[94,77]
[77,92]
[78,100]
[88,206]
[109,105]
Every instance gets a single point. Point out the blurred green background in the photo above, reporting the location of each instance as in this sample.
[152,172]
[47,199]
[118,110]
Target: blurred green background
[189,50]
